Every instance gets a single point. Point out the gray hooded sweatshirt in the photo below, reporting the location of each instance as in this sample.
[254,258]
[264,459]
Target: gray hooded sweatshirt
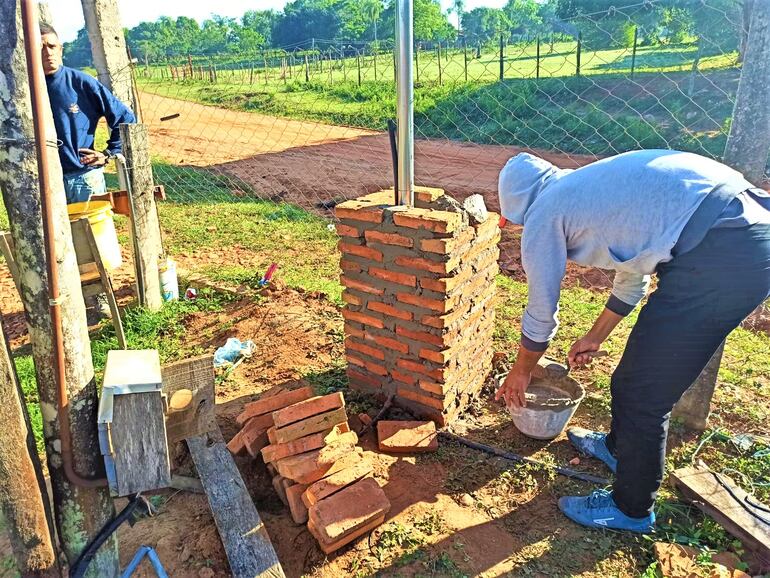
[625,213]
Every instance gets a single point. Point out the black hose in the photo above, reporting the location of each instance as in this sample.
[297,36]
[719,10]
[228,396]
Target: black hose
[78,569]
[570,473]
[394,154]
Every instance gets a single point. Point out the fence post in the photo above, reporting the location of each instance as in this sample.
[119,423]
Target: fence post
[633,51]
[749,139]
[417,62]
[465,59]
[375,64]
[438,60]
[80,512]
[395,68]
[579,50]
[251,72]
[502,72]
[24,499]
[537,60]
[189,64]
[214,68]
[144,214]
[264,61]
[307,69]
[344,68]
[211,74]
[358,63]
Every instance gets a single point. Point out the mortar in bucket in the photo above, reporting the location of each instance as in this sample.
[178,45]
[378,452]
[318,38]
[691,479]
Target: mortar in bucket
[99,215]
[551,403]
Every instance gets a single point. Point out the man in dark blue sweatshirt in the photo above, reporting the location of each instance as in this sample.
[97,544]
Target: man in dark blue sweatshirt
[78,102]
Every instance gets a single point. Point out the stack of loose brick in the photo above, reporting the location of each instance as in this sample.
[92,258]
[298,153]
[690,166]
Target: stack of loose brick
[419,287]
[318,470]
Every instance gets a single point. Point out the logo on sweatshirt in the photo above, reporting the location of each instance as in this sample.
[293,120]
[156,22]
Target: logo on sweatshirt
[74,108]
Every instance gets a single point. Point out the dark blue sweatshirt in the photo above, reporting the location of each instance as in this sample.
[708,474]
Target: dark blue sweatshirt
[78,101]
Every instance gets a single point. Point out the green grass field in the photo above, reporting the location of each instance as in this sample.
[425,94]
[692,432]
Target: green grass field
[602,111]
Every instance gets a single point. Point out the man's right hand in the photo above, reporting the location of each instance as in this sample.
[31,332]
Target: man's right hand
[583,351]
[92,158]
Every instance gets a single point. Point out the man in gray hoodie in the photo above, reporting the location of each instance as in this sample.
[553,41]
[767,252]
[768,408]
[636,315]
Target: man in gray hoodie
[695,223]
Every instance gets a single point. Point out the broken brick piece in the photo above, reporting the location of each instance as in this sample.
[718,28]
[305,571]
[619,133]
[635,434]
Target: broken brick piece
[330,547]
[348,461]
[296,505]
[307,408]
[299,466]
[349,510]
[309,443]
[271,403]
[236,445]
[334,483]
[309,426]
[279,489]
[407,436]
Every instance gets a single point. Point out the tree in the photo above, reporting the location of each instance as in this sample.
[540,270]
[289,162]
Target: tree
[303,20]
[77,53]
[482,24]
[523,16]
[430,23]
[458,6]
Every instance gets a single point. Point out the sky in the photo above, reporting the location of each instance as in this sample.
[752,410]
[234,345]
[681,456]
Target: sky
[68,14]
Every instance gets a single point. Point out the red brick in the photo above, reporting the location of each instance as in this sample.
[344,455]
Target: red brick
[348,297]
[420,368]
[389,310]
[389,239]
[350,266]
[347,231]
[407,436]
[298,467]
[332,484]
[440,305]
[360,251]
[394,276]
[308,408]
[309,426]
[442,321]
[422,399]
[365,349]
[309,443]
[255,426]
[256,441]
[422,336]
[447,284]
[440,357]
[348,461]
[491,224]
[403,377]
[370,366]
[388,342]
[427,194]
[359,211]
[362,318]
[360,286]
[272,403]
[349,509]
[424,264]
[278,485]
[297,507]
[433,387]
[447,245]
[351,331]
[436,221]
[236,445]
[370,381]
[329,547]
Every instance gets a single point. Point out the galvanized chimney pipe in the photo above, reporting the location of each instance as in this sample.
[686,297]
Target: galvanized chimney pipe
[32,50]
[405,100]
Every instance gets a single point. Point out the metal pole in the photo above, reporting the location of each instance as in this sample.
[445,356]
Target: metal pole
[405,103]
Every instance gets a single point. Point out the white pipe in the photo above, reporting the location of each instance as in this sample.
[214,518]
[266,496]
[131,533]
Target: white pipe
[405,102]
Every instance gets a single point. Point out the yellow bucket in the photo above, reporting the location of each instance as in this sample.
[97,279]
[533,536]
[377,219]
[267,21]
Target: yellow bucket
[99,214]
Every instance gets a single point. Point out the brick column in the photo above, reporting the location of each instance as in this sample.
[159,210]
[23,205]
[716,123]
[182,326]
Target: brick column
[419,288]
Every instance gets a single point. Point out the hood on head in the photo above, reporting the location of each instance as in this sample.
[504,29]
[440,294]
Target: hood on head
[520,182]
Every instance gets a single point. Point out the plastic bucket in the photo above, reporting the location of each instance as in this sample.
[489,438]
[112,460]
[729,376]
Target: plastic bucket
[168,280]
[551,403]
[99,214]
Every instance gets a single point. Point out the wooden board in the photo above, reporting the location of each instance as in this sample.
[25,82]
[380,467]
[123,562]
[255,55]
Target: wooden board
[701,487]
[197,376]
[243,533]
[138,436]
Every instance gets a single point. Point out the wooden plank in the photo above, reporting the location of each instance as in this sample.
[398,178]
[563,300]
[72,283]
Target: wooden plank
[138,436]
[701,487]
[144,214]
[6,248]
[243,533]
[196,417]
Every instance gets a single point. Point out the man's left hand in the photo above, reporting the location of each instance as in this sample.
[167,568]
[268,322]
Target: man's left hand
[92,158]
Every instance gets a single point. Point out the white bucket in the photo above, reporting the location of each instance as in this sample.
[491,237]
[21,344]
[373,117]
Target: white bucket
[169,283]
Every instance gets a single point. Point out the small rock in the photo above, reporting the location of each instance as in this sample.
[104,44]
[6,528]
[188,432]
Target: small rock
[364,418]
[447,203]
[206,573]
[476,208]
[574,462]
[467,500]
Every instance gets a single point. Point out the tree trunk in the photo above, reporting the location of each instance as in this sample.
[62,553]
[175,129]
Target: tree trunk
[108,47]
[80,512]
[749,140]
[23,494]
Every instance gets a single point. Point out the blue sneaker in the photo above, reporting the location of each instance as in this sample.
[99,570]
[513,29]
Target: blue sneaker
[599,511]
[592,443]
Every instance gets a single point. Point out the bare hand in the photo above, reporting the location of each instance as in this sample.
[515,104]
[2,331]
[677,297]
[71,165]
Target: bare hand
[583,351]
[92,158]
[513,389]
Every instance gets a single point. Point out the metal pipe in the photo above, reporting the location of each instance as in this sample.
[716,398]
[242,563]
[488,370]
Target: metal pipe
[32,50]
[405,101]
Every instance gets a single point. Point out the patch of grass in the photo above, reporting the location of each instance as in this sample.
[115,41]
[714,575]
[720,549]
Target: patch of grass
[398,539]
[442,565]
[431,523]
[25,369]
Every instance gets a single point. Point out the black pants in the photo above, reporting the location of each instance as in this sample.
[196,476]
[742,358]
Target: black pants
[701,297]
